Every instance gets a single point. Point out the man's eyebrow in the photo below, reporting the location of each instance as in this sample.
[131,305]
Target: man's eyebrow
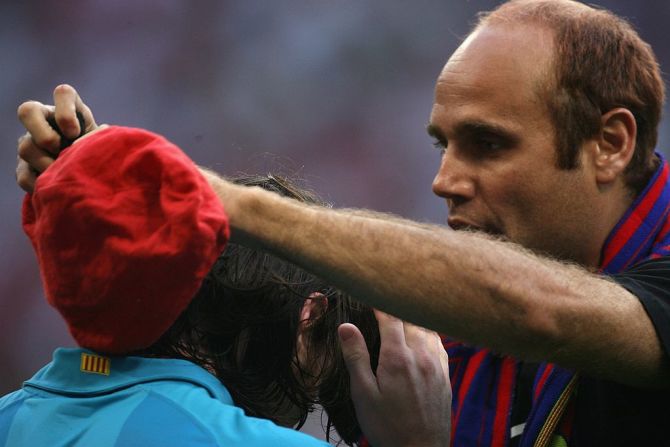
[435,132]
[481,127]
[473,128]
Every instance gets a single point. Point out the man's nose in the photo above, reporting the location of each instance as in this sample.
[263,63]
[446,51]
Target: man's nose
[454,180]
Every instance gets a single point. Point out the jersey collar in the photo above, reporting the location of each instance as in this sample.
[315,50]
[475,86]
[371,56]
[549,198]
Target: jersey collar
[642,227]
[79,372]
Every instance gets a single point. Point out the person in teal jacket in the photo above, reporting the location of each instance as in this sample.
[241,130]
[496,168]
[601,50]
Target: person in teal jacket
[131,401]
[175,350]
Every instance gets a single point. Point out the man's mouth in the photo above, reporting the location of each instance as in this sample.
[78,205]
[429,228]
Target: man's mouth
[458,224]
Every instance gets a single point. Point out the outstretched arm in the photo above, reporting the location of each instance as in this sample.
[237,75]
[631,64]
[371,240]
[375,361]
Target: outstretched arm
[474,288]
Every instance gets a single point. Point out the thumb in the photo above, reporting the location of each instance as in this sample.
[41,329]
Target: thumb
[357,360]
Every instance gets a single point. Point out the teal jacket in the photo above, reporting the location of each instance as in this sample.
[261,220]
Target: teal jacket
[84,399]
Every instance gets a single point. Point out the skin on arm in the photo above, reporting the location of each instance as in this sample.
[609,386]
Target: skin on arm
[470,286]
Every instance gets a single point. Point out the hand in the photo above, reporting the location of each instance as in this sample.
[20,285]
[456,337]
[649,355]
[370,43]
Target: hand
[409,401]
[40,146]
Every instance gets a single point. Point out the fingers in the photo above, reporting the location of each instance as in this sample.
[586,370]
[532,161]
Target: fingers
[412,394]
[391,330]
[357,360]
[399,338]
[25,176]
[87,114]
[33,115]
[417,336]
[428,350]
[68,103]
[42,144]
[36,157]
[394,330]
[421,338]
[444,363]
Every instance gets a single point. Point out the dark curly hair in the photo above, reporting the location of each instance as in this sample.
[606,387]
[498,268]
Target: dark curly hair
[243,327]
[334,387]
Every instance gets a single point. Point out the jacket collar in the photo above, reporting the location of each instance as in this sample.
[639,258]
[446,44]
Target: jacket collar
[79,372]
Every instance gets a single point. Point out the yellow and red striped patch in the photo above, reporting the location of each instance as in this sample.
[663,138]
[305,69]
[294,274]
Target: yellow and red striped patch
[97,364]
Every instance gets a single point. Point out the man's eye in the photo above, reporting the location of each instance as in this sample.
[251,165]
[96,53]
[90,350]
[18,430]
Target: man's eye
[440,146]
[489,145]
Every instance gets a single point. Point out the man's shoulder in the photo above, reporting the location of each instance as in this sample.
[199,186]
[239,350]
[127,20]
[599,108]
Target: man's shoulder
[651,272]
[653,262]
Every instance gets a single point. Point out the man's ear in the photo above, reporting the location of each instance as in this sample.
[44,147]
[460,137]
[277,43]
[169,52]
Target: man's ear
[313,308]
[615,145]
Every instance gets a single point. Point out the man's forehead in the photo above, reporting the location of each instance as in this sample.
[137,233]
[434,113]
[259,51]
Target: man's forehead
[494,78]
[496,67]
[500,43]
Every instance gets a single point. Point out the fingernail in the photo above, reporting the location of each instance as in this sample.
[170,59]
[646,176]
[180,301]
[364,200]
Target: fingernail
[345,332]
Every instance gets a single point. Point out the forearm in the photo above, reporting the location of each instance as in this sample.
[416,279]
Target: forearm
[482,291]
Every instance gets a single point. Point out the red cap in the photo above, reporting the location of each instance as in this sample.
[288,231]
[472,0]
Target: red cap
[125,229]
